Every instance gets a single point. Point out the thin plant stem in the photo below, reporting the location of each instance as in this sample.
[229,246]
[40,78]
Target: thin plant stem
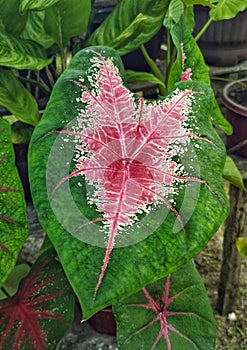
[203,30]
[155,70]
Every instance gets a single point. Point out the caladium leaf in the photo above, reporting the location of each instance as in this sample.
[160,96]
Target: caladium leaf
[172,313]
[194,63]
[13,221]
[111,170]
[149,14]
[40,312]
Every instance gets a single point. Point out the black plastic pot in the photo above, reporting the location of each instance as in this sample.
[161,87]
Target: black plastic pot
[225,42]
[235,100]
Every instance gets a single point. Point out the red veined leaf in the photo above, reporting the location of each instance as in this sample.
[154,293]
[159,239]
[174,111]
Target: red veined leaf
[173,313]
[37,316]
[13,222]
[115,171]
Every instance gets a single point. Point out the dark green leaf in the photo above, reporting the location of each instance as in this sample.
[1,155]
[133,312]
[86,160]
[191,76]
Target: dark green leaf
[12,283]
[17,99]
[21,132]
[180,306]
[122,20]
[232,174]
[22,54]
[66,19]
[14,22]
[13,221]
[34,29]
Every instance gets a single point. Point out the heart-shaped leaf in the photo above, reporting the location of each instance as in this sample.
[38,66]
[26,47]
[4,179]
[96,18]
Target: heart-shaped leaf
[226,9]
[37,316]
[13,222]
[111,170]
[170,314]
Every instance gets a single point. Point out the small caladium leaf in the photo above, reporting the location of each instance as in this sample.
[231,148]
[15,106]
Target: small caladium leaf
[193,63]
[126,189]
[38,315]
[13,221]
[170,314]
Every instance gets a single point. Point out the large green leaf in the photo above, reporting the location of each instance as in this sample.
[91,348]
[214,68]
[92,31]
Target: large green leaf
[170,314]
[226,9]
[66,19]
[121,21]
[34,29]
[17,99]
[194,62]
[13,221]
[171,229]
[22,54]
[14,22]
[39,313]
[38,5]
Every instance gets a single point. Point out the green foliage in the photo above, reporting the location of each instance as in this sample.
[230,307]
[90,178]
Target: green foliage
[187,321]
[232,174]
[18,100]
[13,222]
[241,244]
[138,20]
[226,9]
[65,19]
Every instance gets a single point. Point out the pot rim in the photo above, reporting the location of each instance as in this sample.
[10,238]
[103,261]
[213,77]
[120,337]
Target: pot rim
[229,103]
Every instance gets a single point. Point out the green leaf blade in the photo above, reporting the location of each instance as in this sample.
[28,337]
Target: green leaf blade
[13,221]
[227,9]
[22,54]
[190,321]
[17,99]
[122,19]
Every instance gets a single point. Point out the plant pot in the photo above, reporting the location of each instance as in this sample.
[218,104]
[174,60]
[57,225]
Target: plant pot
[103,321]
[235,100]
[225,42]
